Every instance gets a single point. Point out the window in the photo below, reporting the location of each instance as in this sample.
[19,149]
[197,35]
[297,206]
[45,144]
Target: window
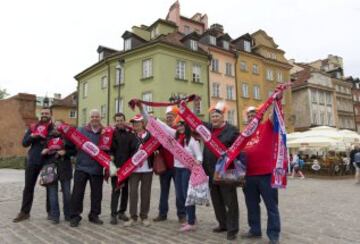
[328,99]
[329,118]
[230,92]
[314,118]
[187,29]
[280,77]
[194,45]
[212,40]
[226,45]
[85,89]
[84,116]
[231,117]
[247,46]
[154,32]
[313,96]
[119,105]
[103,111]
[196,73]
[357,85]
[215,89]
[215,65]
[72,114]
[229,69]
[147,96]
[269,74]
[257,92]
[180,70]
[255,69]
[243,66]
[101,55]
[104,82]
[119,74]
[321,98]
[197,107]
[147,68]
[127,45]
[245,90]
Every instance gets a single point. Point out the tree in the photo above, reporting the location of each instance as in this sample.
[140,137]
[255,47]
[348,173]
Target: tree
[3,93]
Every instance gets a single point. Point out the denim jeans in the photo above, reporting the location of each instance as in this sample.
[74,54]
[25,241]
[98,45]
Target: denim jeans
[52,191]
[165,183]
[182,177]
[255,187]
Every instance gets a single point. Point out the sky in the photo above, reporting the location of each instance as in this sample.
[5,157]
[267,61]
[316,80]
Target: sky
[44,44]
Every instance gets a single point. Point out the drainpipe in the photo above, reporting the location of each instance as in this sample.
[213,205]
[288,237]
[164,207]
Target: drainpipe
[237,88]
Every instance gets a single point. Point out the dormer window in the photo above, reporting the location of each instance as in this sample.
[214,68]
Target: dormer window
[226,45]
[212,40]
[155,32]
[247,46]
[101,55]
[127,45]
[194,45]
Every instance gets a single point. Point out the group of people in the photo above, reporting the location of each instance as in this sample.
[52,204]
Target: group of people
[260,161]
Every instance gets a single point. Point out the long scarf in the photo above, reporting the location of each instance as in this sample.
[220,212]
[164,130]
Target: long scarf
[41,129]
[82,142]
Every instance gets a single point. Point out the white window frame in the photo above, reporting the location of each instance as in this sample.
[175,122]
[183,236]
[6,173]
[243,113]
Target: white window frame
[180,70]
[269,74]
[229,69]
[215,89]
[280,77]
[212,40]
[256,92]
[255,69]
[85,89]
[147,68]
[196,73]
[230,92]
[243,66]
[103,111]
[127,44]
[119,79]
[147,96]
[215,65]
[247,46]
[226,45]
[73,114]
[194,45]
[245,90]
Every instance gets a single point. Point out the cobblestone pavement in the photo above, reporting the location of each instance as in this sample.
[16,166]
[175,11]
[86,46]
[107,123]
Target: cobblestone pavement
[312,211]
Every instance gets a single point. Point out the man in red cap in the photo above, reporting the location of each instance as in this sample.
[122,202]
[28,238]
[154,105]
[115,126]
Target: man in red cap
[35,138]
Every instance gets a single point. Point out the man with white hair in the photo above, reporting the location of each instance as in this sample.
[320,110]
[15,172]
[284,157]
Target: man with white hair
[86,169]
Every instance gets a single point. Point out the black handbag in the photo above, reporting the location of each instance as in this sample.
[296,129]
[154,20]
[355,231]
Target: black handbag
[48,174]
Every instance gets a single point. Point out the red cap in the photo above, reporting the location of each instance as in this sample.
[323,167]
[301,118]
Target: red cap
[137,118]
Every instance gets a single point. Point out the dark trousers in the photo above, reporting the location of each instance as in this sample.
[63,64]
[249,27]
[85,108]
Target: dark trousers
[226,207]
[255,187]
[145,180]
[182,177]
[31,174]
[52,191]
[165,183]
[116,194]
[77,197]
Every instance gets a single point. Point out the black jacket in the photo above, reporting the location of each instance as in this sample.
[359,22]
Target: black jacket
[36,146]
[227,136]
[124,145]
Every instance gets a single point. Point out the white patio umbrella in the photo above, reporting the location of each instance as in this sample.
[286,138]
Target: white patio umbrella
[312,142]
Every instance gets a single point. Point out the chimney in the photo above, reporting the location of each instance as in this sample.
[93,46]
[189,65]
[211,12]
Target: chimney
[57,95]
[218,28]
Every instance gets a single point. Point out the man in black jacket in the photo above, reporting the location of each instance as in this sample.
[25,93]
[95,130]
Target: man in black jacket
[35,138]
[223,197]
[124,145]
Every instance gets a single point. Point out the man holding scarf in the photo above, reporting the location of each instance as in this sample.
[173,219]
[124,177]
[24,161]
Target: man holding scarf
[261,161]
[86,169]
[223,197]
[35,138]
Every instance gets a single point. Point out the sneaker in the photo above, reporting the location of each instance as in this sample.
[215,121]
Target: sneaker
[113,220]
[130,223]
[187,227]
[160,218]
[249,235]
[20,217]
[123,217]
[219,229]
[96,220]
[145,222]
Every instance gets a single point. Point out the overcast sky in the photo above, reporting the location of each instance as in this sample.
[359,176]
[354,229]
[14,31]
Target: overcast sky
[44,44]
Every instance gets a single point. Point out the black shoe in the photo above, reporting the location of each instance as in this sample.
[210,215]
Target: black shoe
[113,220]
[123,217]
[274,242]
[67,218]
[55,221]
[160,218]
[250,235]
[96,220]
[49,216]
[74,222]
[20,217]
[231,236]
[219,229]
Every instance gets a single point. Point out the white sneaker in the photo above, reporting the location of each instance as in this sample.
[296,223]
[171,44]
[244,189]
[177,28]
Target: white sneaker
[145,222]
[130,223]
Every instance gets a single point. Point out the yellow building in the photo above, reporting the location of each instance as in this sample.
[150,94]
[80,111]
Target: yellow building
[260,67]
[65,109]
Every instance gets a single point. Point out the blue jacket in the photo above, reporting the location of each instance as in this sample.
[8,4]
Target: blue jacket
[36,146]
[83,161]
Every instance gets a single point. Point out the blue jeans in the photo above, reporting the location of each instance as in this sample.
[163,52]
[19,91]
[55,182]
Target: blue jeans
[165,182]
[255,187]
[182,177]
[52,191]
